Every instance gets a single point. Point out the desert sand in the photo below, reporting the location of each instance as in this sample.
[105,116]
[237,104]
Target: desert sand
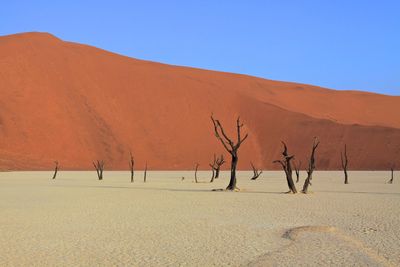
[75,103]
[77,220]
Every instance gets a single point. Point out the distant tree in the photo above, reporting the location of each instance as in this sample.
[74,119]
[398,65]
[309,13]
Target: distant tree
[131,166]
[392,175]
[216,166]
[55,170]
[343,157]
[287,168]
[195,172]
[145,173]
[99,166]
[219,162]
[311,166]
[297,170]
[212,165]
[256,172]
[230,146]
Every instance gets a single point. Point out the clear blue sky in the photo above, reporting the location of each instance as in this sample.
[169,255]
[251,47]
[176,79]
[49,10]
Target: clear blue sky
[343,44]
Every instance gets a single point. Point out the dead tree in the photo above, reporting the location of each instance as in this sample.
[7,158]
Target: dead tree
[392,175]
[216,166]
[256,173]
[297,170]
[287,168]
[343,157]
[195,173]
[131,165]
[99,166]
[145,173]
[212,165]
[230,146]
[219,162]
[311,167]
[55,170]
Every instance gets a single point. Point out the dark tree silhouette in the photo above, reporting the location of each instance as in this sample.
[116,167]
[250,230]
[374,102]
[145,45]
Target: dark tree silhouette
[216,166]
[145,173]
[256,172]
[99,166]
[195,172]
[230,146]
[311,166]
[55,169]
[131,166]
[297,170]
[212,165]
[219,162]
[392,175]
[287,168]
[343,157]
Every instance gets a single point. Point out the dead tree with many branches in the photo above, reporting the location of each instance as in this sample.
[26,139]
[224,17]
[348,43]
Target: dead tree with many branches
[99,166]
[344,160]
[311,167]
[55,170]
[297,170]
[131,166]
[216,166]
[287,168]
[230,146]
[256,172]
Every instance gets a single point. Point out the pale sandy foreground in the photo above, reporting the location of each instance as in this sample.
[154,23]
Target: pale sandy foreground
[77,220]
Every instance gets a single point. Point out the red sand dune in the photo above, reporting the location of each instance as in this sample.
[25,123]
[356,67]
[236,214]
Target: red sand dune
[75,103]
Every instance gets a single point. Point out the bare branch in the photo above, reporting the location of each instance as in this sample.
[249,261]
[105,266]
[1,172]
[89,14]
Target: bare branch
[217,126]
[99,166]
[55,170]
[256,172]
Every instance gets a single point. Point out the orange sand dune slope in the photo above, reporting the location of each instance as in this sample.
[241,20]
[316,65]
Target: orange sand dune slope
[75,103]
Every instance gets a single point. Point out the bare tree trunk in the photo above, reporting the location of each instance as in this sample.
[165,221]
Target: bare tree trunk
[99,166]
[131,165]
[230,146]
[219,162]
[232,182]
[346,177]
[297,170]
[195,173]
[213,175]
[287,167]
[217,172]
[343,157]
[311,167]
[55,170]
[212,165]
[292,187]
[392,176]
[145,173]
[256,173]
